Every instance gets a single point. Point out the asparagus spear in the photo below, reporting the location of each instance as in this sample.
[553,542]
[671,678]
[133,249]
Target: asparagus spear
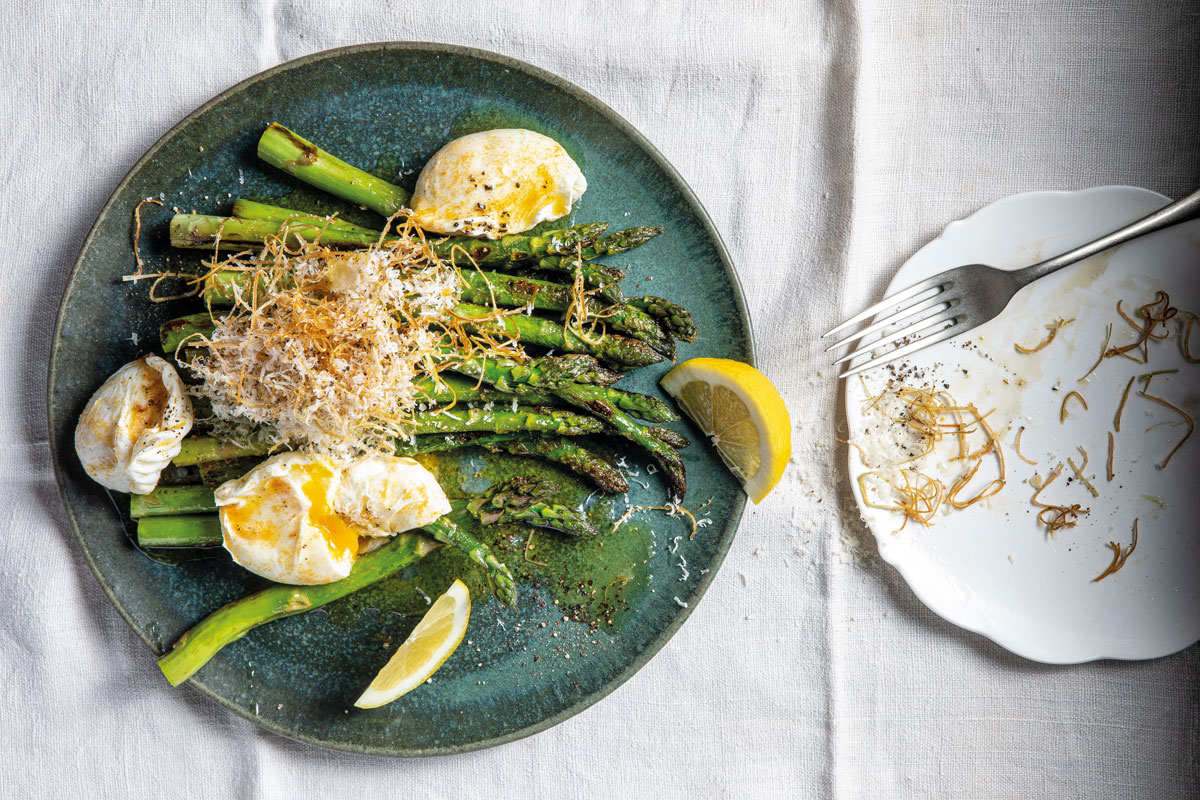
[512,291]
[181,530]
[604,281]
[172,500]
[454,532]
[195,450]
[202,231]
[515,247]
[568,453]
[187,529]
[453,389]
[623,351]
[201,449]
[175,475]
[214,473]
[660,441]
[208,473]
[251,210]
[297,156]
[230,623]
[543,373]
[555,449]
[177,332]
[185,516]
[615,242]
[674,318]
[595,403]
[668,436]
[563,423]
[523,498]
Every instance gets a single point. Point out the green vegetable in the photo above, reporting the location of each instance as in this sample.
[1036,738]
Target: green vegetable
[538,374]
[514,291]
[186,529]
[619,350]
[517,248]
[523,498]
[299,157]
[172,500]
[454,532]
[230,623]
[586,397]
[204,231]
[453,389]
[674,318]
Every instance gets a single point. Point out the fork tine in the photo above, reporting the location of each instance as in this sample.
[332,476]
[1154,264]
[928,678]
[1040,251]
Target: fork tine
[908,349]
[887,302]
[920,325]
[912,310]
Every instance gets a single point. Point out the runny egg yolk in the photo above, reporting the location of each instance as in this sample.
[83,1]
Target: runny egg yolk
[340,536]
[257,516]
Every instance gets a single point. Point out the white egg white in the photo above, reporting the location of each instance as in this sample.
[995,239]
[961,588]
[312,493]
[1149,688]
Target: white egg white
[133,426]
[299,518]
[389,495]
[496,182]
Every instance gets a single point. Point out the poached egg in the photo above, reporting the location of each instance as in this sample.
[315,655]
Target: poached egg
[133,426]
[301,518]
[496,182]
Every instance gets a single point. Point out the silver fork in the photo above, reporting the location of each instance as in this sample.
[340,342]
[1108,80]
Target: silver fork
[959,299]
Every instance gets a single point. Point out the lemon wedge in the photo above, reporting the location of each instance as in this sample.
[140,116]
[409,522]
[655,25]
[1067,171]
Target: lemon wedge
[741,412]
[435,638]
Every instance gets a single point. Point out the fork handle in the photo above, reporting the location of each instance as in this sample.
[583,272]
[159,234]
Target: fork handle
[1171,214]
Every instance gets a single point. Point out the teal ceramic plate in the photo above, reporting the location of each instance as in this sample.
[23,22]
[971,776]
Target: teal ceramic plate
[389,107]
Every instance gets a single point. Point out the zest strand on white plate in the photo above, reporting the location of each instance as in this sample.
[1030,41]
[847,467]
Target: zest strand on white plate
[994,567]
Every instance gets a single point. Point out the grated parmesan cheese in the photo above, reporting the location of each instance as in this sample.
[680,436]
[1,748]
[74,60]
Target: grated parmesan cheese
[325,347]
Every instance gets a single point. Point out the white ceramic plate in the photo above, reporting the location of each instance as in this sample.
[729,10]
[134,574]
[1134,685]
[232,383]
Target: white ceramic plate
[992,568]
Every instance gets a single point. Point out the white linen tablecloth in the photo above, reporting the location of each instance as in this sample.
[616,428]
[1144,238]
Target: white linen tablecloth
[828,140]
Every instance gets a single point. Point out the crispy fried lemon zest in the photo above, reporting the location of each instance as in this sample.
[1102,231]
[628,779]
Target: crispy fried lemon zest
[1017,447]
[1185,336]
[326,346]
[1120,555]
[1121,407]
[1078,470]
[1146,377]
[1054,328]
[1062,411]
[1056,517]
[1099,358]
[672,509]
[1157,312]
[932,415]
[1186,417]
[862,454]
[582,318]
[1112,446]
[140,273]
[919,498]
